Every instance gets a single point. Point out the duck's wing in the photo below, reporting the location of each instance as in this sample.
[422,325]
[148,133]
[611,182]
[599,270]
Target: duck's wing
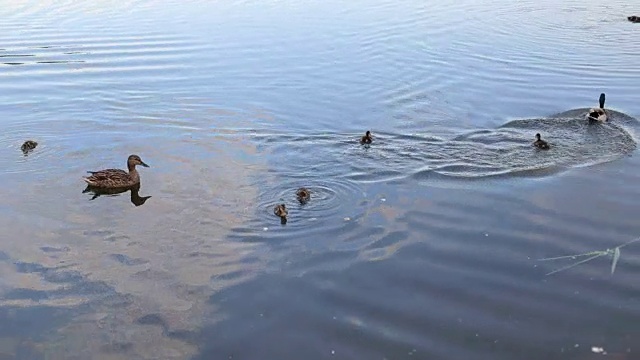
[541,144]
[108,172]
[108,177]
[279,211]
[596,114]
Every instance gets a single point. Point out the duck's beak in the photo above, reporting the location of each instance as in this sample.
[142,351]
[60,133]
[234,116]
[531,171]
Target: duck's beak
[143,164]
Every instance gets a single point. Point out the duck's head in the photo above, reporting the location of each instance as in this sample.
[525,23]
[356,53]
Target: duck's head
[303,195]
[134,160]
[602,97]
[538,136]
[368,134]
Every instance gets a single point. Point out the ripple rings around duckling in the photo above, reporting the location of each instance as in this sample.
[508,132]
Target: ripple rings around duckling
[334,203]
[329,199]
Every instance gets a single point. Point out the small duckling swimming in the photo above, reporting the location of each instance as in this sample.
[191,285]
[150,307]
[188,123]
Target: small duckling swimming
[116,178]
[28,146]
[366,139]
[281,211]
[634,19]
[540,144]
[304,195]
[598,114]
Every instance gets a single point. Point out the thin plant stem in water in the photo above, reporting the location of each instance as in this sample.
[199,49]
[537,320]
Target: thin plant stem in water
[615,253]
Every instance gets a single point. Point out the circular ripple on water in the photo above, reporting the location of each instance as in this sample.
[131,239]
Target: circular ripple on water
[334,205]
[54,144]
[330,199]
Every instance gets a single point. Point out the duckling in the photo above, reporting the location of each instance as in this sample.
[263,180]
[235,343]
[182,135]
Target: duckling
[598,114]
[116,178]
[28,146]
[366,139]
[635,19]
[304,195]
[281,211]
[540,144]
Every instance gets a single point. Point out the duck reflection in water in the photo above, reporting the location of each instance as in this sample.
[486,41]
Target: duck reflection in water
[136,199]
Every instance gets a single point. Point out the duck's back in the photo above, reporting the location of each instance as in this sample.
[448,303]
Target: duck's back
[541,144]
[112,178]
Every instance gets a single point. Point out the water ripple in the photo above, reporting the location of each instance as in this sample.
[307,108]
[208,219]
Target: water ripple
[236,104]
[334,204]
[504,151]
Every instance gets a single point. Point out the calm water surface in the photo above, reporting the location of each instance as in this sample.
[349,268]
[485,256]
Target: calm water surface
[422,246]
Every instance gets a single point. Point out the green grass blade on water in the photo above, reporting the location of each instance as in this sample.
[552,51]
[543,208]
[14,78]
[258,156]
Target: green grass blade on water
[591,253]
[575,264]
[629,243]
[615,252]
[614,262]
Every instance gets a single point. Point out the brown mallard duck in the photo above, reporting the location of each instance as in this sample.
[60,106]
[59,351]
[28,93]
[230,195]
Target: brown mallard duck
[281,211]
[540,144]
[598,114]
[366,139]
[116,178]
[28,146]
[303,195]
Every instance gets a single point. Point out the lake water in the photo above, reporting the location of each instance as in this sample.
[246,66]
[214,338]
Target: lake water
[424,245]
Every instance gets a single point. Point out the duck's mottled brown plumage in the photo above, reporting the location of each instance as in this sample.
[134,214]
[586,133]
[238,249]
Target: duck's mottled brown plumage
[116,178]
[303,195]
[598,114]
[540,144]
[28,146]
[281,211]
[366,139]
